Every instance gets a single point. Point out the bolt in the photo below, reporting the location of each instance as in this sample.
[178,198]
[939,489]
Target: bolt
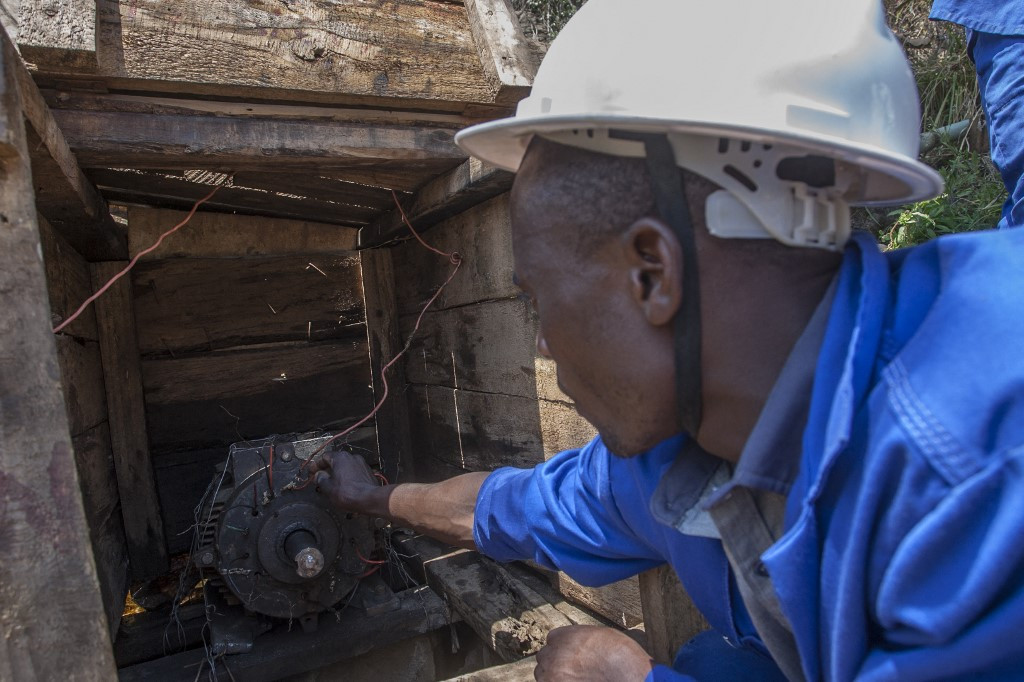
[206,558]
[309,562]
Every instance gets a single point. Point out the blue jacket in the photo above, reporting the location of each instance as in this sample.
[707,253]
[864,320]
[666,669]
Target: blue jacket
[903,556]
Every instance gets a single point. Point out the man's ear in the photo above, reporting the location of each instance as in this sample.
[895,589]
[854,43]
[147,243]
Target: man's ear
[655,262]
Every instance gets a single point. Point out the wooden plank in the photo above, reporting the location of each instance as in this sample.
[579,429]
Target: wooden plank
[58,34]
[418,49]
[485,347]
[300,299]
[503,610]
[63,194]
[180,188]
[517,671]
[119,140]
[145,636]
[78,100]
[47,558]
[68,283]
[618,602]
[394,442]
[222,235]
[670,617]
[289,651]
[470,183]
[115,318]
[83,383]
[505,55]
[484,238]
[216,399]
[482,431]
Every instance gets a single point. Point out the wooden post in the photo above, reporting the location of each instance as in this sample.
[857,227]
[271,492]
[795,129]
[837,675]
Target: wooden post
[504,53]
[52,625]
[119,349]
[394,442]
[670,617]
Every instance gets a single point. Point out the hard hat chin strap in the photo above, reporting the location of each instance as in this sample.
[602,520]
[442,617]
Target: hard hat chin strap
[669,190]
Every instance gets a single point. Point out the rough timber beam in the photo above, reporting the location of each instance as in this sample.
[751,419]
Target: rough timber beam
[129,140]
[58,34]
[52,623]
[302,50]
[63,194]
[465,186]
[504,54]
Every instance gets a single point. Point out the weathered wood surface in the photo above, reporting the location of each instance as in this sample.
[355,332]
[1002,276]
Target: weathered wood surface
[670,617]
[68,283]
[418,49]
[385,342]
[78,100]
[477,347]
[468,184]
[181,189]
[47,558]
[483,236]
[58,34]
[115,318]
[220,235]
[505,55]
[118,139]
[95,463]
[259,193]
[503,610]
[188,306]
[517,671]
[618,602]
[63,194]
[216,399]
[289,651]
[83,383]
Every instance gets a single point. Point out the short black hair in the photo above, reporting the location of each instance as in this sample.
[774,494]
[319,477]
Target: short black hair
[601,194]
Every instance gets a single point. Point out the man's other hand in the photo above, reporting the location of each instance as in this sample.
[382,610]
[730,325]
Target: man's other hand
[346,479]
[588,652]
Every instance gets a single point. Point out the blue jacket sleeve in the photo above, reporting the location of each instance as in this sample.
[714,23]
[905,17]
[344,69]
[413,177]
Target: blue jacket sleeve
[565,514]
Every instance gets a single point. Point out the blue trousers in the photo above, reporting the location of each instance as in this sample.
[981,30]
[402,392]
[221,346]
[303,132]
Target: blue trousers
[1000,63]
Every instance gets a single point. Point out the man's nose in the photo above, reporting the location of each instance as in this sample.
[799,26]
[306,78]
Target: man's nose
[542,346]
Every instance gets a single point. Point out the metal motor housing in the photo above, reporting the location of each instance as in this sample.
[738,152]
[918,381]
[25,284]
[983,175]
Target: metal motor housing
[270,540]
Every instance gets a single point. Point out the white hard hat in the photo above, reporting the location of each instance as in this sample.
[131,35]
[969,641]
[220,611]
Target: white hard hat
[797,109]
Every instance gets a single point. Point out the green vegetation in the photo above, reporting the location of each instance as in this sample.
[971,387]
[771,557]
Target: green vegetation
[949,93]
[543,19]
[972,201]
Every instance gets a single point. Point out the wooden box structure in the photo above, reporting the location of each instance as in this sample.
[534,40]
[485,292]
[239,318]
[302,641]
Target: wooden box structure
[274,309]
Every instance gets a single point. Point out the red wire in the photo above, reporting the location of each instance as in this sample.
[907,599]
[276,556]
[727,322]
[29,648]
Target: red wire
[381,477]
[456,259]
[370,572]
[135,260]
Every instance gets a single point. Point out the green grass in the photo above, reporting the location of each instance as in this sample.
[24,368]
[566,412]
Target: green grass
[972,201]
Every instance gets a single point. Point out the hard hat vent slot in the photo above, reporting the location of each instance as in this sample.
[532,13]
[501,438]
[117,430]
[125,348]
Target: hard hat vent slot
[813,171]
[723,145]
[740,177]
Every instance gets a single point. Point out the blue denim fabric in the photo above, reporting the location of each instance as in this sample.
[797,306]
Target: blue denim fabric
[902,557]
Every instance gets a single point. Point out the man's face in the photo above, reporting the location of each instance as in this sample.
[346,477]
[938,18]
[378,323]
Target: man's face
[610,361]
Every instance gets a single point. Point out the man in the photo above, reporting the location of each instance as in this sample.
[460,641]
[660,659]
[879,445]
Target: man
[825,442]
[995,43]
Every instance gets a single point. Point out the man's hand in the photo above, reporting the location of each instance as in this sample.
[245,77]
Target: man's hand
[588,652]
[347,480]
